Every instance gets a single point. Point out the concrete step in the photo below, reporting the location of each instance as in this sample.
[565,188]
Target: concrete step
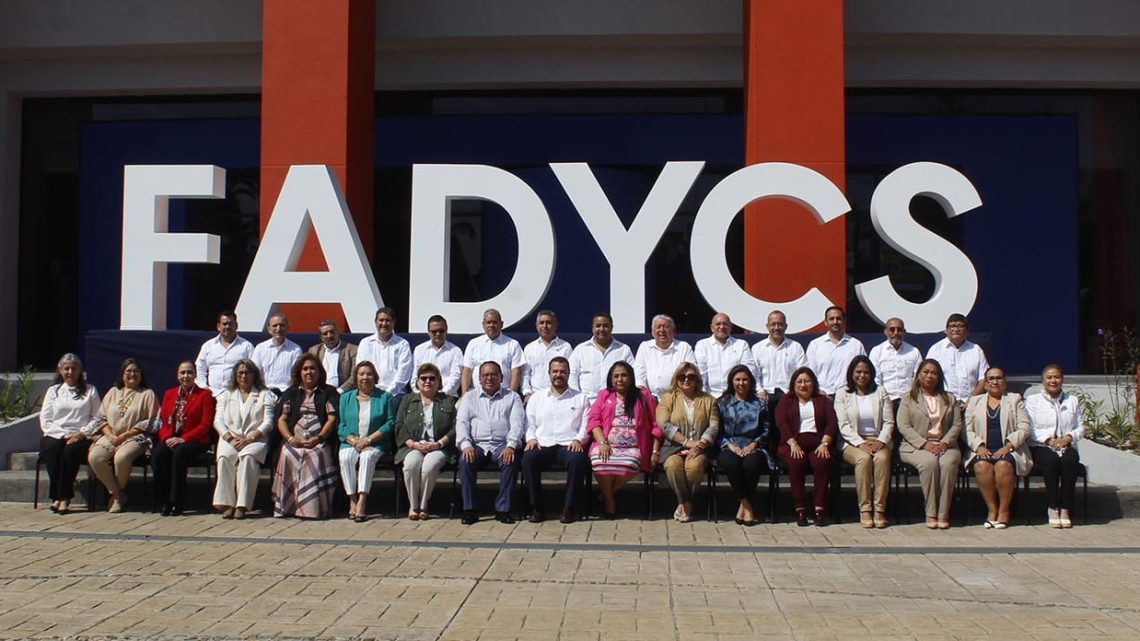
[22,460]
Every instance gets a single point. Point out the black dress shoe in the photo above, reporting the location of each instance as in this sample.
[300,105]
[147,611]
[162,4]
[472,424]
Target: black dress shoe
[504,517]
[567,517]
[175,510]
[609,516]
[802,519]
[536,516]
[739,521]
[167,509]
[469,517]
[821,520]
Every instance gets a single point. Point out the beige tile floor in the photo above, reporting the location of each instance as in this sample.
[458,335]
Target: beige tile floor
[141,576]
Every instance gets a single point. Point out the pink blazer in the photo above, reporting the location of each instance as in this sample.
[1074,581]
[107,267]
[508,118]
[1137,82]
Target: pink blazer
[644,416]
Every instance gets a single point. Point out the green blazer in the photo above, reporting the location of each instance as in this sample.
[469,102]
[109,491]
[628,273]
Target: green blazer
[410,422]
[380,419]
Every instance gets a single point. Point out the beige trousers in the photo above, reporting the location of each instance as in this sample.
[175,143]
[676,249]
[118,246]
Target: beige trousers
[872,477]
[685,474]
[102,456]
[937,474]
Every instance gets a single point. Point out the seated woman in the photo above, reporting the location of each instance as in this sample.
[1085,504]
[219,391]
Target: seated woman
[243,419]
[626,439]
[183,436]
[123,423]
[806,419]
[997,430]
[743,439]
[689,420]
[1055,425]
[366,420]
[867,425]
[425,430]
[305,479]
[69,406]
[929,423]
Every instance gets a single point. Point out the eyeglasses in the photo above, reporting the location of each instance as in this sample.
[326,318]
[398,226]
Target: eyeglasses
[427,379]
[896,330]
[689,377]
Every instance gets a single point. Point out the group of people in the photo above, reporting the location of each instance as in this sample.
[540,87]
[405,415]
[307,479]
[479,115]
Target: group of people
[334,411]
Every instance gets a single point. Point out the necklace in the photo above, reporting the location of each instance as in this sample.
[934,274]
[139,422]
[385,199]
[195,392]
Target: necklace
[992,412]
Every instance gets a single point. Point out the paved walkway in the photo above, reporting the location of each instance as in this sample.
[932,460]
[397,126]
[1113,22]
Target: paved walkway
[136,575]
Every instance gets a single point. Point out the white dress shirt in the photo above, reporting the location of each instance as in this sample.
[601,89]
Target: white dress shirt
[654,366]
[775,363]
[715,361]
[448,358]
[490,422]
[392,360]
[538,354]
[62,415]
[504,350]
[589,365]
[895,368]
[276,363]
[215,362]
[555,419]
[1053,418]
[829,360]
[331,362]
[962,366]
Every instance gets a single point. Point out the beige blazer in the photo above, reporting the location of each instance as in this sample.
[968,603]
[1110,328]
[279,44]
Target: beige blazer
[231,416]
[672,418]
[1014,428]
[345,362]
[847,412]
[912,423]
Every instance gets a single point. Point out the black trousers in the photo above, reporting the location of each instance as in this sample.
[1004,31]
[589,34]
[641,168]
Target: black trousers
[743,473]
[543,458]
[1060,472]
[62,462]
[170,466]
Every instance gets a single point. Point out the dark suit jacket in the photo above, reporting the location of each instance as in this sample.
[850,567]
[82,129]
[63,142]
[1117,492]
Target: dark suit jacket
[788,417]
[410,422]
[344,365]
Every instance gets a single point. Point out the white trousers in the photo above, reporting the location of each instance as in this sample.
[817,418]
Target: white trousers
[420,474]
[238,474]
[356,469]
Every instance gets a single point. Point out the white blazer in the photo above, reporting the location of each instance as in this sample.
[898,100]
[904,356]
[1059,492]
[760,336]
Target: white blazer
[256,414]
[847,411]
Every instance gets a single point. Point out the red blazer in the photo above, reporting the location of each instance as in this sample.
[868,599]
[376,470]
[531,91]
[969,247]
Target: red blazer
[198,415]
[788,417]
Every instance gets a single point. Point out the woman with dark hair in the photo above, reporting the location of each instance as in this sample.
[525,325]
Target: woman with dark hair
[306,475]
[625,433]
[123,424]
[1055,427]
[425,430]
[689,421]
[997,430]
[867,424]
[929,424]
[743,439]
[365,434]
[806,420]
[183,436]
[69,406]
[243,420]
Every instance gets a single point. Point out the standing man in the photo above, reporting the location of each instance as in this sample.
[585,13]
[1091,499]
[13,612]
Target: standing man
[443,353]
[777,356]
[592,359]
[389,353]
[496,346]
[539,352]
[488,428]
[660,356]
[338,357]
[829,355]
[275,356]
[217,357]
[554,418]
[896,362]
[719,353]
[963,363]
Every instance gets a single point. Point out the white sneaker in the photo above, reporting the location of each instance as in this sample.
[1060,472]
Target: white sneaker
[1054,518]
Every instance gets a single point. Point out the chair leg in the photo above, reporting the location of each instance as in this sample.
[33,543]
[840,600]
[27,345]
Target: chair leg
[454,491]
[397,480]
[1025,499]
[1085,497]
[36,487]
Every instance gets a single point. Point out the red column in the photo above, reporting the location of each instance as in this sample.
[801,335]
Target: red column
[318,88]
[794,112]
